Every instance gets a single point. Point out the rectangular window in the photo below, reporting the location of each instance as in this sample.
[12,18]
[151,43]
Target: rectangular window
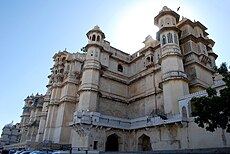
[95,143]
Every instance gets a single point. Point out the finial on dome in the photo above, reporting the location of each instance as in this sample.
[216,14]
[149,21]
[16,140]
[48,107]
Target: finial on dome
[165,8]
[149,41]
[97,28]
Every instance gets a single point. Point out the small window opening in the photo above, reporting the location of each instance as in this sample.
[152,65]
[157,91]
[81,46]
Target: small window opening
[98,38]
[94,38]
[170,39]
[120,68]
[148,59]
[95,143]
[163,40]
[175,38]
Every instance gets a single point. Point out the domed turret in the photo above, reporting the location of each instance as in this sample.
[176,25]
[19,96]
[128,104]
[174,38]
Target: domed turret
[173,76]
[10,125]
[88,89]
[166,18]
[95,34]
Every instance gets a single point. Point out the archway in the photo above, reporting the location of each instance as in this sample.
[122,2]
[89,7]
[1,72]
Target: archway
[144,143]
[112,143]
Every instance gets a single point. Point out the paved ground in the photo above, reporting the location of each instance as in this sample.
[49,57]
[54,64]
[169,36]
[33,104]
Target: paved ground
[186,151]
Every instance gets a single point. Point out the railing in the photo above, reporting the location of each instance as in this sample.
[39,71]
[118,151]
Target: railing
[196,94]
[97,119]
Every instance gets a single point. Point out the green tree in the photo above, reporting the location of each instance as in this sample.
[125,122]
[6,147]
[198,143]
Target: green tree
[212,111]
[83,49]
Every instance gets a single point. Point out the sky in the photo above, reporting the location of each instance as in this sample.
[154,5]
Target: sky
[31,32]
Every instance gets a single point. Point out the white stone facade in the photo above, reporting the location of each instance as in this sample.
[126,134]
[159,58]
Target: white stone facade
[10,135]
[107,100]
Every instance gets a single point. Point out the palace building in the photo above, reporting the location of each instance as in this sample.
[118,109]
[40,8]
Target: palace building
[107,100]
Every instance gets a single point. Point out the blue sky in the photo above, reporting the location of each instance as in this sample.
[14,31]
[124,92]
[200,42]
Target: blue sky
[31,32]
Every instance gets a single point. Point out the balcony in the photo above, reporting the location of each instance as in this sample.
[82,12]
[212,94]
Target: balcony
[99,120]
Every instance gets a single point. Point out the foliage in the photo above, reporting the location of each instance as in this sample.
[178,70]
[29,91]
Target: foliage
[213,111]
[83,49]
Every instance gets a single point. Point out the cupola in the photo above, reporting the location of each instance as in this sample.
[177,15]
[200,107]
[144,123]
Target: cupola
[95,34]
[166,18]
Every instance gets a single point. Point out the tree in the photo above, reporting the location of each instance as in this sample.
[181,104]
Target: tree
[83,49]
[212,111]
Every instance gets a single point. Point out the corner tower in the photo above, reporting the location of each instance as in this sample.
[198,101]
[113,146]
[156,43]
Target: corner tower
[91,71]
[174,80]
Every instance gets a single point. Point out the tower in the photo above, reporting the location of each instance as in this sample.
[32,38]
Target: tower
[174,80]
[91,71]
[25,117]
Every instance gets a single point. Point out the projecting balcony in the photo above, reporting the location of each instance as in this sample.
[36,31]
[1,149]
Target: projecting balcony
[98,120]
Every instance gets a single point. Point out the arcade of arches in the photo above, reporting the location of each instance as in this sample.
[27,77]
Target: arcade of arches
[113,142]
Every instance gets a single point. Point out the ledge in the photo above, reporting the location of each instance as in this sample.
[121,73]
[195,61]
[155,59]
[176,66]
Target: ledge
[97,119]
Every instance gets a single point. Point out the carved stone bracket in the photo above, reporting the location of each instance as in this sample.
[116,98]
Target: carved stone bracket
[82,130]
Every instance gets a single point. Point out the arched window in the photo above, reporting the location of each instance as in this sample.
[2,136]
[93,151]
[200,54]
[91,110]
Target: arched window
[163,40]
[170,39]
[61,70]
[120,68]
[112,143]
[148,60]
[94,38]
[175,38]
[144,143]
[98,38]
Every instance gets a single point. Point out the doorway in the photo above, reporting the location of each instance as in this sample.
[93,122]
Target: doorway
[144,143]
[112,143]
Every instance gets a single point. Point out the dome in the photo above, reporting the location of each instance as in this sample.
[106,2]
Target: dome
[165,8]
[10,125]
[95,30]
[166,11]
